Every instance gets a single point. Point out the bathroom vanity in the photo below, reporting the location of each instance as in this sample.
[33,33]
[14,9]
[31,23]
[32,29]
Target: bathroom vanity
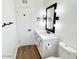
[46,43]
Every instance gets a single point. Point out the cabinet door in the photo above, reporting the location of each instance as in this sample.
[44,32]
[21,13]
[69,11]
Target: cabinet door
[24,30]
[41,49]
[50,48]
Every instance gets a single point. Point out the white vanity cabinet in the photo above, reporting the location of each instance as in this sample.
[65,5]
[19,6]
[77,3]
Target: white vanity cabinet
[46,44]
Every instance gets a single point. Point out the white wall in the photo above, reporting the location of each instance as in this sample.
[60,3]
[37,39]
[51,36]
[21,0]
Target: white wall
[9,39]
[67,11]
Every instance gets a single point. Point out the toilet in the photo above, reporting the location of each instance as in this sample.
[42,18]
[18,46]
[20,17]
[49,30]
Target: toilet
[65,52]
[53,58]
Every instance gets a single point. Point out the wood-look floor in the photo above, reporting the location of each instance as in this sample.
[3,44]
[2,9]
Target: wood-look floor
[28,52]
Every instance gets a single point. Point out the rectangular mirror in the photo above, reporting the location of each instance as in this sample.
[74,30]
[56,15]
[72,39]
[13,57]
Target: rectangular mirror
[50,17]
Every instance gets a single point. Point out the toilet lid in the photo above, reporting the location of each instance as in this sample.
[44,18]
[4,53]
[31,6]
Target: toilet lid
[53,58]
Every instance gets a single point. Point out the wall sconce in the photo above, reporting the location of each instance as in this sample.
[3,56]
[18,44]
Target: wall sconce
[58,25]
[44,18]
[39,19]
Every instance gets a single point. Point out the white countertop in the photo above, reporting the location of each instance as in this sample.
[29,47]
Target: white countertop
[45,36]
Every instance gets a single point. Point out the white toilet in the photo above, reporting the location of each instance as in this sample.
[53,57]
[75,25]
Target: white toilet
[65,52]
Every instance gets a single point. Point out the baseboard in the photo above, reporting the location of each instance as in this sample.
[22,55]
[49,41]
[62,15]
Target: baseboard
[15,53]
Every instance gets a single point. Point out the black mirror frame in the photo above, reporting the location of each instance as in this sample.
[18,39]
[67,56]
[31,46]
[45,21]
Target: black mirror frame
[55,18]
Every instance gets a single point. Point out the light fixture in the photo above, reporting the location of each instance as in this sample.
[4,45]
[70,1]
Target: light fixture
[39,18]
[59,10]
[57,25]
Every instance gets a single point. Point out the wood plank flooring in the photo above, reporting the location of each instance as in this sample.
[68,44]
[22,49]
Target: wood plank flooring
[28,52]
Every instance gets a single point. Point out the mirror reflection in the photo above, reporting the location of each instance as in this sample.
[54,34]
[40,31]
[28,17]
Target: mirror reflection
[50,18]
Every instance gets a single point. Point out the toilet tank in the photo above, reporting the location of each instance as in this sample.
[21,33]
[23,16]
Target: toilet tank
[66,52]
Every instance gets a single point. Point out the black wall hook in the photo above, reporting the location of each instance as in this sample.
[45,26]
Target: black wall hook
[5,24]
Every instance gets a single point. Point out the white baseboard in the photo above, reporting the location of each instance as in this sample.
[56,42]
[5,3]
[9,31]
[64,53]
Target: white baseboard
[15,52]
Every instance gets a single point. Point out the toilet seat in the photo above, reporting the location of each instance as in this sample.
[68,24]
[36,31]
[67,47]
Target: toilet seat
[52,58]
